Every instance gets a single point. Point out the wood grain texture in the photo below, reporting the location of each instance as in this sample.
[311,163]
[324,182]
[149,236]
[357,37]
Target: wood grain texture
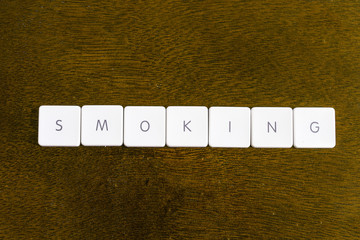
[210,53]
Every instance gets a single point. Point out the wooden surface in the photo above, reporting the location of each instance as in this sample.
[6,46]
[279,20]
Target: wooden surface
[211,53]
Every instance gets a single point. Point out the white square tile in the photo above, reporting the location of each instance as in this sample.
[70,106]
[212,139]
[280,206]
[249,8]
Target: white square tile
[271,127]
[102,125]
[229,127]
[144,126]
[187,126]
[59,126]
[314,127]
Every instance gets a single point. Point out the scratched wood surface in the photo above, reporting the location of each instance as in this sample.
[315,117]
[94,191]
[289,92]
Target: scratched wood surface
[210,53]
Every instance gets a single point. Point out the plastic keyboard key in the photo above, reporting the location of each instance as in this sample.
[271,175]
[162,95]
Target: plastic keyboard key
[59,126]
[187,126]
[144,126]
[102,125]
[271,127]
[314,127]
[229,127]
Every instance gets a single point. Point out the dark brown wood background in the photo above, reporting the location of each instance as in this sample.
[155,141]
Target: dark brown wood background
[211,53]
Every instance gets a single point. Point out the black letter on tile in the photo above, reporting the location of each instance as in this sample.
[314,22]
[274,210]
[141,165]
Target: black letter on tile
[229,126]
[102,126]
[317,128]
[148,126]
[57,123]
[273,128]
[185,125]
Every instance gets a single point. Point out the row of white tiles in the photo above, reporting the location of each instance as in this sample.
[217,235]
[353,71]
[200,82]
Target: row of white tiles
[191,126]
